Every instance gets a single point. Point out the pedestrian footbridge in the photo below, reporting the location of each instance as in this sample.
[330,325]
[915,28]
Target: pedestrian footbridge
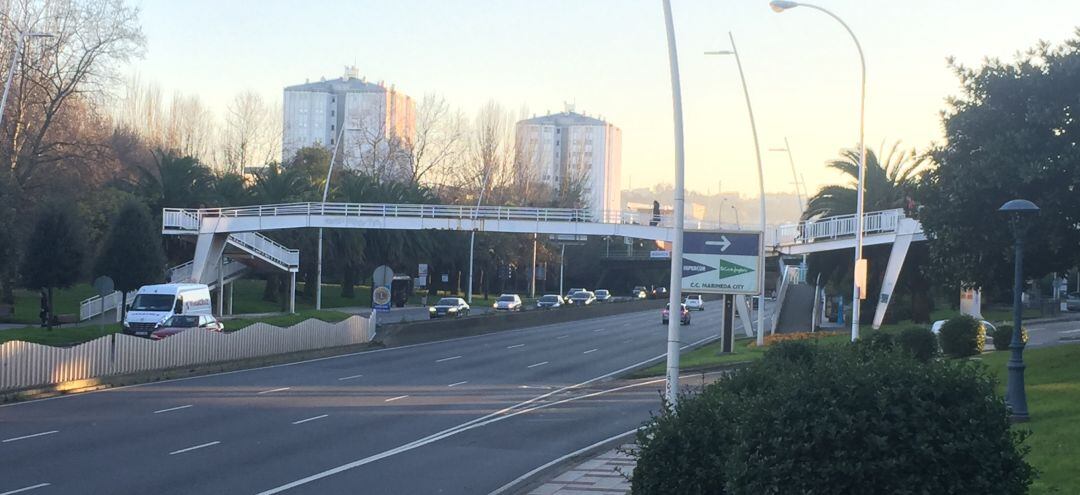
[233,233]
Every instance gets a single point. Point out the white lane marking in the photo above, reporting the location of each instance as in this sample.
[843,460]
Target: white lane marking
[447,359]
[627,341]
[310,419]
[511,485]
[189,449]
[392,399]
[173,409]
[515,346]
[470,424]
[349,377]
[476,423]
[537,364]
[561,337]
[30,436]
[599,330]
[590,350]
[458,383]
[1071,331]
[282,389]
[20,490]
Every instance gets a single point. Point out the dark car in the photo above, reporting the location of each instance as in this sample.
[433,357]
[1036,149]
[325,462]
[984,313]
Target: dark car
[549,301]
[602,295]
[684,319]
[640,292]
[179,323]
[582,298]
[658,293]
[454,307]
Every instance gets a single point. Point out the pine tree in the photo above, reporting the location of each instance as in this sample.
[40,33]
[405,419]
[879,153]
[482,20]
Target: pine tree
[131,254]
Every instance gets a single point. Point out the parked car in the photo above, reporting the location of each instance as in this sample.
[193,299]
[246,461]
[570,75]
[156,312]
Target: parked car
[989,327]
[694,301]
[1072,301]
[582,298]
[507,302]
[572,291]
[658,293]
[640,292]
[453,307]
[549,301]
[179,323]
[684,319]
[602,295]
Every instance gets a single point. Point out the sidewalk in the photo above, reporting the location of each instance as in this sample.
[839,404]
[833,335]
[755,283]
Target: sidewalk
[604,474]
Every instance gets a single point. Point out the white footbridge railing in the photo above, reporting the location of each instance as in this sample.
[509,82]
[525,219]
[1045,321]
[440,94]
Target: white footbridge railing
[830,228]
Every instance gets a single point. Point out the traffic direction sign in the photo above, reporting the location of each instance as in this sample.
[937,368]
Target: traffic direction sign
[722,262]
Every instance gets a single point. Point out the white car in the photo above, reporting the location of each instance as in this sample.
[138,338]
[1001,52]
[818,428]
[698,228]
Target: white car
[694,301]
[507,302]
[989,327]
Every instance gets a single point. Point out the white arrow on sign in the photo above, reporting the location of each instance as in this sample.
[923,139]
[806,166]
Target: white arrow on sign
[724,243]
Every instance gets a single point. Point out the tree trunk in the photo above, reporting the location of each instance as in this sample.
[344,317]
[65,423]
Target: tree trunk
[348,281]
[123,307]
[271,290]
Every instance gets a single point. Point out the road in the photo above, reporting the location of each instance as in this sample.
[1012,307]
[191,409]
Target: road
[455,417]
[1061,330]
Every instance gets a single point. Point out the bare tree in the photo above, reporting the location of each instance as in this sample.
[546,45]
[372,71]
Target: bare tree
[491,154]
[439,145]
[191,126]
[61,81]
[251,135]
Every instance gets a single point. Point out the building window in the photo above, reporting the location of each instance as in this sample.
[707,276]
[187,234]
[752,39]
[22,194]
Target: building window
[557,131]
[331,127]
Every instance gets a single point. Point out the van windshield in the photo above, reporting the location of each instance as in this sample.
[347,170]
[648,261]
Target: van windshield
[152,302]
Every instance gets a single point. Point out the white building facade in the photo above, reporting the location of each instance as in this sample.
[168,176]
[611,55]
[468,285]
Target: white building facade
[379,121]
[573,150]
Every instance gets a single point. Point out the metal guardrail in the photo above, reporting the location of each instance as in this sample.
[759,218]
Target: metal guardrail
[264,246]
[96,305]
[830,228]
[789,276]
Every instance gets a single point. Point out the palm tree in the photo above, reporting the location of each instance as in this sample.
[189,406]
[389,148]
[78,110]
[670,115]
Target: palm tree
[888,185]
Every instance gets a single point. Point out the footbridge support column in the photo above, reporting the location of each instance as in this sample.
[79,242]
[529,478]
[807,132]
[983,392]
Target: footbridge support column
[208,251]
[905,231]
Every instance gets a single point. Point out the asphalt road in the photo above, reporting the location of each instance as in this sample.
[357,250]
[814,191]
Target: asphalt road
[456,417]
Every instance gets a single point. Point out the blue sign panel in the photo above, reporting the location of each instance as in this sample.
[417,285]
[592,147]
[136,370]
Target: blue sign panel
[722,262]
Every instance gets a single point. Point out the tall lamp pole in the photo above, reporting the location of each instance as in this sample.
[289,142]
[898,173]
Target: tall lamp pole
[761,181]
[325,192]
[20,42]
[675,294]
[799,194]
[472,235]
[1015,396]
[780,6]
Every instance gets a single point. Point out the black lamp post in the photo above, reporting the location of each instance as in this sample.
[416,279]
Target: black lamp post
[1015,397]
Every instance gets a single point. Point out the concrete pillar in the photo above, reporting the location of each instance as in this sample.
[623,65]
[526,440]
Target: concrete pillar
[221,286]
[208,250]
[905,231]
[230,307]
[292,293]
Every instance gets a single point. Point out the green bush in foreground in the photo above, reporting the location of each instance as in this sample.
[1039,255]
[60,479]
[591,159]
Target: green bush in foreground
[919,341]
[962,336]
[843,419]
[1003,337]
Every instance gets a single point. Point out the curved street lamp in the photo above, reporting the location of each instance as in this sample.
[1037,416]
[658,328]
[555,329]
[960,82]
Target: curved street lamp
[780,6]
[761,182]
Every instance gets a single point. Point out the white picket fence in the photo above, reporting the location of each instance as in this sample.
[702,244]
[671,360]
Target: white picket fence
[24,365]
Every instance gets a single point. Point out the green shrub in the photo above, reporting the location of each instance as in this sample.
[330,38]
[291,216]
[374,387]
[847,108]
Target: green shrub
[919,341]
[1003,337]
[962,336]
[839,419]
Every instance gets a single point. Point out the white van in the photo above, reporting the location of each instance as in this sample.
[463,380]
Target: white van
[154,303]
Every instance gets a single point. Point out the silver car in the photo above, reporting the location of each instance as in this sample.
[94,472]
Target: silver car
[507,302]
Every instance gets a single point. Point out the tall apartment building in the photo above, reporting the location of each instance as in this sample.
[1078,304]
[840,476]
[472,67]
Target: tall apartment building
[372,115]
[563,148]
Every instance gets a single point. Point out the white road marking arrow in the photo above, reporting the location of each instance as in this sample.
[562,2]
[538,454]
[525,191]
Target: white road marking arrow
[724,243]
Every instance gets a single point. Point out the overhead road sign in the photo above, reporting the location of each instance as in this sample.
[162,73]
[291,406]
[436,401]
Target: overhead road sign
[725,262]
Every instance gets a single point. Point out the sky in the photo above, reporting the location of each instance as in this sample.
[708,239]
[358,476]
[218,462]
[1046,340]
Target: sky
[609,58]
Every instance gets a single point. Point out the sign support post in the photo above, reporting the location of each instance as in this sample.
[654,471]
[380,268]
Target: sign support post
[727,326]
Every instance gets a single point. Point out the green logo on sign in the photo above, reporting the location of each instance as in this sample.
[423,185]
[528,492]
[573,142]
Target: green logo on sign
[729,269]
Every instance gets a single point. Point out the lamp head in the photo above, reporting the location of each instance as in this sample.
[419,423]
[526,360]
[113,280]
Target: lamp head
[1019,207]
[782,5]
[720,52]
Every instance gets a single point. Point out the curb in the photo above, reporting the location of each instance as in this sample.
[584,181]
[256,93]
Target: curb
[537,477]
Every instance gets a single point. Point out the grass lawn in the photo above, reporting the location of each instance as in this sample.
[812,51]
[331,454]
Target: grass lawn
[286,320]
[1052,381]
[65,301]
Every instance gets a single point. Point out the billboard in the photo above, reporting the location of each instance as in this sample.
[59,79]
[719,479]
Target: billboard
[725,262]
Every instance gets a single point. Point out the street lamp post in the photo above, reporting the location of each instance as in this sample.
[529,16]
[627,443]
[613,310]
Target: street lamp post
[472,235]
[780,6]
[675,294]
[325,193]
[761,180]
[799,195]
[1015,396]
[20,42]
